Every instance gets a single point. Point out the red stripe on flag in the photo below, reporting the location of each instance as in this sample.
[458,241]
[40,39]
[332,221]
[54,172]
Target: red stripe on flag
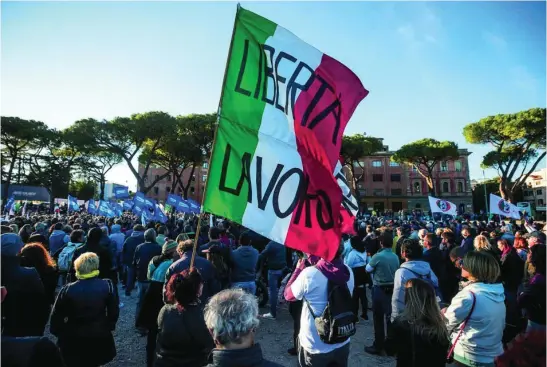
[319,146]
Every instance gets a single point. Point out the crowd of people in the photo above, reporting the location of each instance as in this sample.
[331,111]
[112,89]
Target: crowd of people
[459,292]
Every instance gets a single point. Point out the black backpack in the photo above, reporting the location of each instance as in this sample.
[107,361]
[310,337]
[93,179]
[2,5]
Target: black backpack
[337,323]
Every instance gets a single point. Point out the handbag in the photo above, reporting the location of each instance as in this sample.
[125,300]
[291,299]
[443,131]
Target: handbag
[450,355]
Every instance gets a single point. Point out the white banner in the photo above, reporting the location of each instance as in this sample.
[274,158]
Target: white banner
[502,207]
[442,206]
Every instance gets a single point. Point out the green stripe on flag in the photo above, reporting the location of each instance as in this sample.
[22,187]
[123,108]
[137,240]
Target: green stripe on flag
[240,116]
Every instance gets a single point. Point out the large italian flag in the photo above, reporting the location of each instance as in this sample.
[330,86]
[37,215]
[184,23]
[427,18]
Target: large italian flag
[283,111]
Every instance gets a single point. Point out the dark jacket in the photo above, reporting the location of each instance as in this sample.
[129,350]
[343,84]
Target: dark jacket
[413,350]
[30,352]
[243,264]
[25,311]
[511,270]
[183,338]
[211,285]
[85,314]
[208,245]
[249,357]
[105,260]
[435,259]
[532,299]
[130,246]
[143,254]
[274,255]
[50,279]
[467,244]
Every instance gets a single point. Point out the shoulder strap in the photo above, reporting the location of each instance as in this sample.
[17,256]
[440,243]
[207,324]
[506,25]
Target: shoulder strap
[464,323]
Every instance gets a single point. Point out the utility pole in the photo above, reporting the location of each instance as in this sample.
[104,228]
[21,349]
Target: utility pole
[485,200]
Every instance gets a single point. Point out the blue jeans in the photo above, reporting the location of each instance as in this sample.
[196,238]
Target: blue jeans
[273,280]
[142,287]
[381,313]
[249,287]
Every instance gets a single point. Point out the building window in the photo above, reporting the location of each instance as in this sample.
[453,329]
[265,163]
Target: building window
[444,166]
[458,166]
[393,164]
[156,190]
[396,177]
[205,165]
[157,178]
[377,177]
[193,177]
[459,186]
[446,187]
[376,163]
[417,187]
[540,201]
[168,189]
[418,206]
[145,178]
[168,178]
[378,192]
[180,190]
[192,189]
[396,192]
[204,178]
[414,169]
[539,192]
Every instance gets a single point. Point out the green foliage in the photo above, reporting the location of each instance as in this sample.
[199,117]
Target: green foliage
[354,148]
[518,141]
[425,154]
[83,190]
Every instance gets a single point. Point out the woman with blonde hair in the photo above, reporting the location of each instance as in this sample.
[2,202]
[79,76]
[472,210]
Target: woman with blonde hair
[481,243]
[84,316]
[476,316]
[419,336]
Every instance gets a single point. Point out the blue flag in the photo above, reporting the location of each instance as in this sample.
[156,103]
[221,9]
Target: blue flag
[10,203]
[173,200]
[159,215]
[73,204]
[91,207]
[138,200]
[137,210]
[105,209]
[194,206]
[146,216]
[150,203]
[183,206]
[127,204]
[121,192]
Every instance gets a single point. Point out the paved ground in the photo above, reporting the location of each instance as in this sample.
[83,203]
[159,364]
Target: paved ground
[275,337]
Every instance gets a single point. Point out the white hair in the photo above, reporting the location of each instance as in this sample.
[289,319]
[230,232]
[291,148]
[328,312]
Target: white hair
[231,315]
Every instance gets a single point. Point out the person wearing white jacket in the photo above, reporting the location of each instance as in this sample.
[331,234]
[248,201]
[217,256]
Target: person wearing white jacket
[479,342]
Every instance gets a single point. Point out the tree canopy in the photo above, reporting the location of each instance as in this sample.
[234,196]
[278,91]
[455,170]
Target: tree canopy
[424,155]
[354,148]
[518,142]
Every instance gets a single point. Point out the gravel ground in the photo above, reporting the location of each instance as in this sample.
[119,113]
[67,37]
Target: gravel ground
[275,337]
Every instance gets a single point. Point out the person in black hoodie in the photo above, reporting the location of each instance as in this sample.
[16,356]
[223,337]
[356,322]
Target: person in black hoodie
[183,338]
[93,245]
[25,311]
[231,317]
[128,254]
[419,336]
[85,314]
[29,351]
[512,268]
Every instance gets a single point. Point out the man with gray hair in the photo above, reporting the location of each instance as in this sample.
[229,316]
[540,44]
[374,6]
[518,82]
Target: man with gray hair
[232,319]
[143,254]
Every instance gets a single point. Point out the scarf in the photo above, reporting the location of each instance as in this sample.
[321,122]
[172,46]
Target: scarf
[93,274]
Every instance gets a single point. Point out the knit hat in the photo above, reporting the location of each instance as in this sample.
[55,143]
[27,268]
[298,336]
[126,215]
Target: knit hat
[169,247]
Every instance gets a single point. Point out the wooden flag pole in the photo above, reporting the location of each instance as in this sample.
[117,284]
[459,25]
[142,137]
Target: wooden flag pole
[214,136]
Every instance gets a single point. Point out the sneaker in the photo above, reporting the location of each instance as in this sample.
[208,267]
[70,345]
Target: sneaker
[292,351]
[268,316]
[372,350]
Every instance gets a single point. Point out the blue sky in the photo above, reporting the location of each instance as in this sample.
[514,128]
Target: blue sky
[430,67]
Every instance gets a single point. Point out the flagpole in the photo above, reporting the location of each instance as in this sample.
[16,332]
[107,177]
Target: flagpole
[214,136]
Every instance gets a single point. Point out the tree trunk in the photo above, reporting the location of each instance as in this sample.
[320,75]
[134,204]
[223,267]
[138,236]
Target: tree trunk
[505,193]
[430,186]
[103,184]
[185,189]
[8,179]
